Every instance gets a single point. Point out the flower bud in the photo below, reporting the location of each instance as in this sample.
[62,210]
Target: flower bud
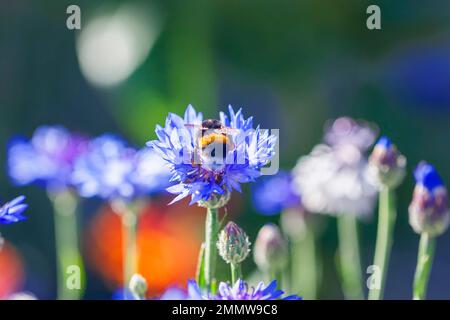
[387,164]
[428,211]
[271,252]
[138,286]
[293,223]
[216,201]
[233,244]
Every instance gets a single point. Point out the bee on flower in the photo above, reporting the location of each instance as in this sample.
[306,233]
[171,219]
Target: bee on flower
[209,158]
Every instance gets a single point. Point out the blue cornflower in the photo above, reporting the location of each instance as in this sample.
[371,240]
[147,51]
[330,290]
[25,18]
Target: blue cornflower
[239,291]
[12,211]
[210,158]
[275,194]
[111,169]
[429,211]
[46,159]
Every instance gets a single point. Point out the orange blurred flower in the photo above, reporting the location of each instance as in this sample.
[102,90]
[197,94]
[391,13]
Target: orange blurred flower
[11,271]
[168,241]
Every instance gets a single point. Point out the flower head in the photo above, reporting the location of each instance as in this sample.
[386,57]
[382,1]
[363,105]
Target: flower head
[347,131]
[12,211]
[241,291]
[210,158]
[150,174]
[111,169]
[334,178]
[275,194]
[270,251]
[429,211]
[238,291]
[387,164]
[46,159]
[233,244]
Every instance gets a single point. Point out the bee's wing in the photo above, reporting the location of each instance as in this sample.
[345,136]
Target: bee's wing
[229,130]
[191,125]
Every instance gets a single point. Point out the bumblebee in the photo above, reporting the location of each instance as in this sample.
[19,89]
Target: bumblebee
[212,134]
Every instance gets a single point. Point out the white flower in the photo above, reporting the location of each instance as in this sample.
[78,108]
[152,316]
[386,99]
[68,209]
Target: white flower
[335,180]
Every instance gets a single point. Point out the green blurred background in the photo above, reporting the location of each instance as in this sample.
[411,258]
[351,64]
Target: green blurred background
[291,64]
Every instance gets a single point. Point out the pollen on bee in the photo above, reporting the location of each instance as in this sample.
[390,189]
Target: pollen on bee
[211,138]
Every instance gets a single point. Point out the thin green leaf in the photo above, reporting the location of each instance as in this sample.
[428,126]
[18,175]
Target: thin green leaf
[200,273]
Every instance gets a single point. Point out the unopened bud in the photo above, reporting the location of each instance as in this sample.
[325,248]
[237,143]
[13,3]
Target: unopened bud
[216,201]
[270,252]
[233,244]
[138,286]
[293,223]
[387,164]
[429,211]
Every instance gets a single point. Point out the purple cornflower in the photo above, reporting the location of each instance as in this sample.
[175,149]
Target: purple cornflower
[111,169]
[347,131]
[46,159]
[334,178]
[209,158]
[12,211]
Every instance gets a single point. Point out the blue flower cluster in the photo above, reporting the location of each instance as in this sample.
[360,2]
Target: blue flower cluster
[111,169]
[47,159]
[105,167]
[195,174]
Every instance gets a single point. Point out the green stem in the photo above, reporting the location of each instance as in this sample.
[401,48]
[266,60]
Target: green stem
[211,226]
[350,261]
[386,224]
[129,231]
[128,214]
[424,262]
[70,268]
[236,272]
[304,266]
